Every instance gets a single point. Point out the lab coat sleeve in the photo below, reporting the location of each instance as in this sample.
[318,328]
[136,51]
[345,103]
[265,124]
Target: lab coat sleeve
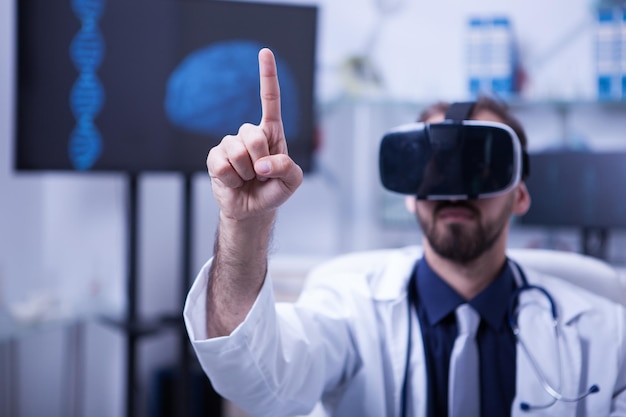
[618,408]
[279,361]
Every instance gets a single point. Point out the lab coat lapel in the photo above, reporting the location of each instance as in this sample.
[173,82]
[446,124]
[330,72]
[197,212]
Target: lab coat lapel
[393,307]
[417,390]
[560,369]
[397,344]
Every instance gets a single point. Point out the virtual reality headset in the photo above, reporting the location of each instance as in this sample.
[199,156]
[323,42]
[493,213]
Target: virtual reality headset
[452,160]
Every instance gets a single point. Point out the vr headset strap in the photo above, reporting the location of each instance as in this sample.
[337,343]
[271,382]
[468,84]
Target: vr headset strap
[460,111]
[525,165]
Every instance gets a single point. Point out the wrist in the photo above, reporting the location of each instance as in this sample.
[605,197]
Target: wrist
[258,225]
[246,239]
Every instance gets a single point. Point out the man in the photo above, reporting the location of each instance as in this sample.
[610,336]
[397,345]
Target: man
[376,334]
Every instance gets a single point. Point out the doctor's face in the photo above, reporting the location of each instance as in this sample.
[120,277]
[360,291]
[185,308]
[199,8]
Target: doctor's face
[463,230]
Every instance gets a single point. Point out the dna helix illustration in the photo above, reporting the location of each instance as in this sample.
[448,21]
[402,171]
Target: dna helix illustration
[87,94]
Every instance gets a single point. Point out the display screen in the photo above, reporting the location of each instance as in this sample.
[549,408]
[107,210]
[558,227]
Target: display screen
[152,85]
[577,189]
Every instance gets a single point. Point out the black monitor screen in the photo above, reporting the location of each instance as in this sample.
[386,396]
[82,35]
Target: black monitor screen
[152,85]
[577,189]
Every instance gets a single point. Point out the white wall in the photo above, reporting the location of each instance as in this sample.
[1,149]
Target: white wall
[420,49]
[65,235]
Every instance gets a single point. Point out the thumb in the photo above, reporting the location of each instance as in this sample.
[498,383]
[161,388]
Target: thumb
[280,167]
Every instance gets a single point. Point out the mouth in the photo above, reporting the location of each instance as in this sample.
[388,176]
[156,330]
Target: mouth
[455,212]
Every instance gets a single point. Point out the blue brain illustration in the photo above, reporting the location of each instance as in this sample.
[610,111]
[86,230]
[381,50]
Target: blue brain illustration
[215,89]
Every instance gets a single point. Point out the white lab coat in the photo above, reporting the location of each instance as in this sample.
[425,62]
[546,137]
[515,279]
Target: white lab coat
[343,345]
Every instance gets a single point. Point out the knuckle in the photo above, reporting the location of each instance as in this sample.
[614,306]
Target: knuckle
[247,129]
[258,148]
[218,167]
[287,167]
[233,148]
[284,161]
[239,155]
[252,135]
[213,157]
[270,95]
[224,174]
[230,160]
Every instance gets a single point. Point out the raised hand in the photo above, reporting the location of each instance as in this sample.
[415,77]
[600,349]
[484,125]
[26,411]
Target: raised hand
[251,172]
[251,175]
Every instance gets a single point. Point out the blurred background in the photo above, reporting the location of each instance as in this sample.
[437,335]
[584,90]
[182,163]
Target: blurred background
[97,249]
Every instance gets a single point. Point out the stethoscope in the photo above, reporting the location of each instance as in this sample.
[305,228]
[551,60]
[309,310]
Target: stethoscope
[513,313]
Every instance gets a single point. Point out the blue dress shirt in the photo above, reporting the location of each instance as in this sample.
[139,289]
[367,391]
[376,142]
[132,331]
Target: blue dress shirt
[436,302]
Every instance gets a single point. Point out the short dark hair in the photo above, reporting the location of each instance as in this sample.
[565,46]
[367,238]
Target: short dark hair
[499,108]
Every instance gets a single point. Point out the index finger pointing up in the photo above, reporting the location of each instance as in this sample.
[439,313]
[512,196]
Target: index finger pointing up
[270,89]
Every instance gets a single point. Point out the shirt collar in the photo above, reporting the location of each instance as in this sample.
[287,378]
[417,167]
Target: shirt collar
[440,300]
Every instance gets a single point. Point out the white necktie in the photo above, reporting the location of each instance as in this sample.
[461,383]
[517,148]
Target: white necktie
[464,382]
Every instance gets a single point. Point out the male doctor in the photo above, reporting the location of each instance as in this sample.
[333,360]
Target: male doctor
[455,330]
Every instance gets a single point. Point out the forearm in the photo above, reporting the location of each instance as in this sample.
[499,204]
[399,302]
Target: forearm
[237,272]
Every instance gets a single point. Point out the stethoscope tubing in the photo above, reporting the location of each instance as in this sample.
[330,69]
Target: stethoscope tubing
[513,313]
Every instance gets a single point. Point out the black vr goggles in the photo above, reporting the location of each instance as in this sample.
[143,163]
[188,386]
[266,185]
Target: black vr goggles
[455,159]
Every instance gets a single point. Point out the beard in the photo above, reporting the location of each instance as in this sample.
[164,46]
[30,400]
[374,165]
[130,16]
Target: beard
[463,243]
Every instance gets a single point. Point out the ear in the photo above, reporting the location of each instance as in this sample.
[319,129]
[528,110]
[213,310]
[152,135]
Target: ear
[522,200]
[409,202]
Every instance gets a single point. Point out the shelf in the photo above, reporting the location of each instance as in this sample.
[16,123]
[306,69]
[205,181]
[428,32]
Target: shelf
[514,103]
